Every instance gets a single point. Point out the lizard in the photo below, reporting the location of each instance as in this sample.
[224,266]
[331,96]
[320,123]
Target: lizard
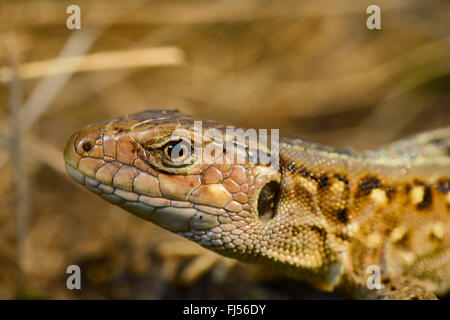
[324,216]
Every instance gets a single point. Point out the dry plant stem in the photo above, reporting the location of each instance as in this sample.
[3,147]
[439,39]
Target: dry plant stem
[130,59]
[135,58]
[21,183]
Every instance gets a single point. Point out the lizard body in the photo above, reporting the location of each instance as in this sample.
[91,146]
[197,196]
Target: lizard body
[324,216]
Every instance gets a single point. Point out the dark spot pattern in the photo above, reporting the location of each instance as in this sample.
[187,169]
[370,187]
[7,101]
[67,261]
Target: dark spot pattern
[408,188]
[444,186]
[295,231]
[427,199]
[341,178]
[323,181]
[342,215]
[307,174]
[437,141]
[405,240]
[321,232]
[390,192]
[342,236]
[366,185]
[291,167]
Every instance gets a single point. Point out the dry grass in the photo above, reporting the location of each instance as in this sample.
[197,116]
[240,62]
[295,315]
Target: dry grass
[310,68]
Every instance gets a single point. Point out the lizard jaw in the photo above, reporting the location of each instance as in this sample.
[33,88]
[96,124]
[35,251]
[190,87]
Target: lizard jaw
[173,215]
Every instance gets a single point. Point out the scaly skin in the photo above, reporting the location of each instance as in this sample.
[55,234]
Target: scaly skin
[324,216]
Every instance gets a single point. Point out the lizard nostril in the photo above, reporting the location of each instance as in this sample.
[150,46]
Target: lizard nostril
[88,146]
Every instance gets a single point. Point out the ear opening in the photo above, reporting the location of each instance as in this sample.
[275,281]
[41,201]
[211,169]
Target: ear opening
[268,200]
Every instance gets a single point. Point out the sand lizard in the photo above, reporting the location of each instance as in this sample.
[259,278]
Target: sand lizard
[324,216]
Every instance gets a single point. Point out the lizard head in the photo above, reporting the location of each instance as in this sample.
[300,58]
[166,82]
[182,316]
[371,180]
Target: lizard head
[148,164]
[199,181]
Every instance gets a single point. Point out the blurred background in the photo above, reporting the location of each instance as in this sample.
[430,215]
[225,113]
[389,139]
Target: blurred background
[308,67]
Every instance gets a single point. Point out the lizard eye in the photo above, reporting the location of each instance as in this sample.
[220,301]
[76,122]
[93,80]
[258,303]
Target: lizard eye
[267,201]
[177,151]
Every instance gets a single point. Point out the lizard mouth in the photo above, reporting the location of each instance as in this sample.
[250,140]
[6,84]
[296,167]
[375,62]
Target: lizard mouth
[174,215]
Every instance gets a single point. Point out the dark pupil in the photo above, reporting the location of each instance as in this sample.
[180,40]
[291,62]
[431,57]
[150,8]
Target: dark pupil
[180,151]
[171,149]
